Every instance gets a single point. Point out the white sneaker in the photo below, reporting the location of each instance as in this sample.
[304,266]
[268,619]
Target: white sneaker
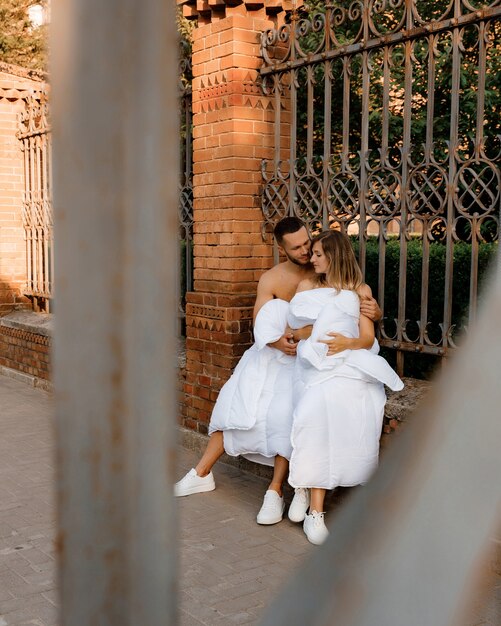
[299,504]
[314,528]
[193,483]
[272,510]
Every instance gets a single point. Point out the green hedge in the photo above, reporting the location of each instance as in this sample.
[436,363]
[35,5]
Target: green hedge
[420,366]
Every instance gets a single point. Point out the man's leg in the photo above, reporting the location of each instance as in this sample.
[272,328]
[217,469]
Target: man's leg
[280,470]
[200,478]
[213,453]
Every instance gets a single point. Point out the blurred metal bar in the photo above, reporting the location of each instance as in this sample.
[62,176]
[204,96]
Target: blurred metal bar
[410,547]
[115,115]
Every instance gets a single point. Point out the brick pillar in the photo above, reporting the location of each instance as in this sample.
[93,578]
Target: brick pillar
[233,132]
[15,85]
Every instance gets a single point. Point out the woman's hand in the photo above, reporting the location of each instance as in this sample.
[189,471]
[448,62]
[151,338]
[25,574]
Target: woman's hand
[338,343]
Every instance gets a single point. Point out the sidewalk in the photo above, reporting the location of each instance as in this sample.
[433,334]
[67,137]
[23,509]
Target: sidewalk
[231,568]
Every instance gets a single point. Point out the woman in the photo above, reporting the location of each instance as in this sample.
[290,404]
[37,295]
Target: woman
[339,398]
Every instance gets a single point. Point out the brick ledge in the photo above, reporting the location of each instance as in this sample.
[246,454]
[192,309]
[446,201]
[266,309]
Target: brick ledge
[29,321]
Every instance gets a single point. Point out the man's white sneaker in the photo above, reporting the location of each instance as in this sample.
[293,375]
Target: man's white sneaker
[314,528]
[272,510]
[193,483]
[299,504]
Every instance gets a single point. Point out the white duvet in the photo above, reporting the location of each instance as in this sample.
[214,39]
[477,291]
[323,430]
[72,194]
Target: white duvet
[338,400]
[254,407]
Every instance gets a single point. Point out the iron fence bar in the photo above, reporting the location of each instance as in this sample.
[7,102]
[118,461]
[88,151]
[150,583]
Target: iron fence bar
[426,221]
[188,178]
[116,178]
[364,154]
[277,110]
[346,111]
[410,346]
[479,134]
[310,86]
[453,143]
[278,143]
[327,142]
[402,272]
[293,129]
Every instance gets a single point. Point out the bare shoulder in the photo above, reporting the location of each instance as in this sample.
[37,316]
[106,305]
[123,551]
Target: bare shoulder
[271,276]
[364,291]
[305,285]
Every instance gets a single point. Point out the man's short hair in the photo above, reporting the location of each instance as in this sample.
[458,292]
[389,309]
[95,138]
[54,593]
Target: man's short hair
[286,226]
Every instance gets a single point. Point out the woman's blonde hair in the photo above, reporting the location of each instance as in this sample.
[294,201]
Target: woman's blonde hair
[343,271]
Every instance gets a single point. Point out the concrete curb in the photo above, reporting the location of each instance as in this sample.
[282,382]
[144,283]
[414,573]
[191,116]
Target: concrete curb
[27,379]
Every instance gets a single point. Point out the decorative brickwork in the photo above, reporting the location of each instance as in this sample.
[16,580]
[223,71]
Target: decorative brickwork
[207,11]
[25,352]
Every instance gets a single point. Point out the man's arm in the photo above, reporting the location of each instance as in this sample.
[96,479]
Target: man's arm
[265,293]
[370,308]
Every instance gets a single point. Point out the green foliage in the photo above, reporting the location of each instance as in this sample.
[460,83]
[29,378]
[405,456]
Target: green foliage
[420,366]
[443,96]
[185,29]
[21,43]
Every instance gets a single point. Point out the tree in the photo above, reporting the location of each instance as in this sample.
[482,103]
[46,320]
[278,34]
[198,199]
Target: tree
[21,42]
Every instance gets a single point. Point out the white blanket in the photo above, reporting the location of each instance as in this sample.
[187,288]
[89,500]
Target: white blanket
[339,400]
[254,407]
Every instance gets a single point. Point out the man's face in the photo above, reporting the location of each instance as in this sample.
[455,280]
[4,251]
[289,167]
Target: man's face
[296,247]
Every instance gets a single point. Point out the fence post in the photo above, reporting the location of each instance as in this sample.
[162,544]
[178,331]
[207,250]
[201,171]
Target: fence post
[115,128]
[233,131]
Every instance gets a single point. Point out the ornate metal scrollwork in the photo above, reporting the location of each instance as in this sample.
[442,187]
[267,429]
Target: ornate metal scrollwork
[390,110]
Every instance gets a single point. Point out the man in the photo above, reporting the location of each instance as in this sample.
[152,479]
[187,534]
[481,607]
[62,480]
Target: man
[272,397]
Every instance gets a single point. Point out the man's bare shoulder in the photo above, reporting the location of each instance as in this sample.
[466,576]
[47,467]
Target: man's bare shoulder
[280,281]
[276,270]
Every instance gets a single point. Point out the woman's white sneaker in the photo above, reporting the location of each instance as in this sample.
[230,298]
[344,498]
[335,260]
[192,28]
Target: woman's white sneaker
[299,504]
[272,510]
[314,528]
[193,483]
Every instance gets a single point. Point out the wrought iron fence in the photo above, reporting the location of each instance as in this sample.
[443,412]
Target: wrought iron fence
[35,137]
[387,126]
[186,186]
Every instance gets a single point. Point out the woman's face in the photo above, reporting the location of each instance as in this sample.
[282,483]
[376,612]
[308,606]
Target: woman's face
[318,259]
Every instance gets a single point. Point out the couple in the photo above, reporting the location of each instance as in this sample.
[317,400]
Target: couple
[323,410]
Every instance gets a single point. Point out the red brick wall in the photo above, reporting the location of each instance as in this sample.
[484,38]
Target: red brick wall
[233,132]
[25,352]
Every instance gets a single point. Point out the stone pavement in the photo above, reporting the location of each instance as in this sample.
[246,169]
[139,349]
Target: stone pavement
[230,567]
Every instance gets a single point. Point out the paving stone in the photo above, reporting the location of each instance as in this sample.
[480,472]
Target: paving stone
[230,567]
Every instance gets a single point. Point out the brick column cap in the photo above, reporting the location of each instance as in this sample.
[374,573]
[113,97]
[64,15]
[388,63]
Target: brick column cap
[206,10]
